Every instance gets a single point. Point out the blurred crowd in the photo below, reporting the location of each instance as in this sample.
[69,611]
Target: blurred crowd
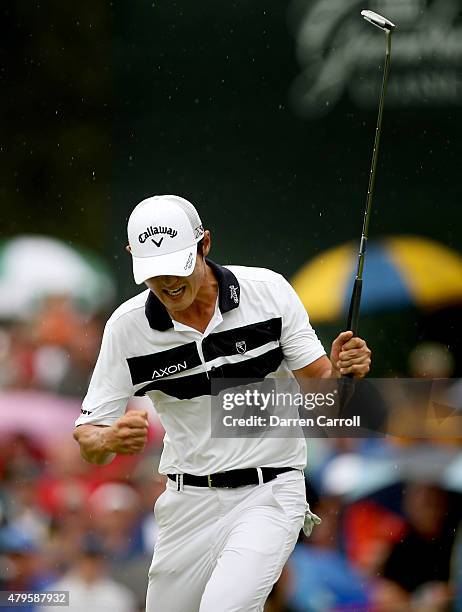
[396,548]
[67,525]
[53,350]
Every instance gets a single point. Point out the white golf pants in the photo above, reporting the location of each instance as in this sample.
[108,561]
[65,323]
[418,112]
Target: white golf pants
[221,550]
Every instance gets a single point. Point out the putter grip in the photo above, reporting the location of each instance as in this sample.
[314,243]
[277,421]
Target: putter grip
[353,314]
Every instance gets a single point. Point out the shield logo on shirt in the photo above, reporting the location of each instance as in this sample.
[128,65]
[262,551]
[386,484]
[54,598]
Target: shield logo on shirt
[241,347]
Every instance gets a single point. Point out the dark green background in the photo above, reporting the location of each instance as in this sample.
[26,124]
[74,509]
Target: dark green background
[104,104]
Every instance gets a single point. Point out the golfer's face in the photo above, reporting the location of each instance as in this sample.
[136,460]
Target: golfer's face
[178,292]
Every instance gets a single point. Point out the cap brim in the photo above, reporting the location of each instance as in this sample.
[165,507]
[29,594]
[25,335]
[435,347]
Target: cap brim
[180,263]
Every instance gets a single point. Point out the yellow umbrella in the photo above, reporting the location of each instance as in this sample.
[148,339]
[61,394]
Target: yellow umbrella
[399,271]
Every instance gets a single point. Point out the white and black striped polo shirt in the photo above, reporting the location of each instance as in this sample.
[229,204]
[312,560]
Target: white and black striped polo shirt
[259,329]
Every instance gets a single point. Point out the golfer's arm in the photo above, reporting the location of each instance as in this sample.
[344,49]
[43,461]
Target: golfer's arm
[95,443]
[321,368]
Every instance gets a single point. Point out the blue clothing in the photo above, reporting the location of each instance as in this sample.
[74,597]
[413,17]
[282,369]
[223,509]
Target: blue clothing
[324,581]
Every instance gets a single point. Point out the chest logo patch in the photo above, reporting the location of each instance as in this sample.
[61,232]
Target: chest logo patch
[241,347]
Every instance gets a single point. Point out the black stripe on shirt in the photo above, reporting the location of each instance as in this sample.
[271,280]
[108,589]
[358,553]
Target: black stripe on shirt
[195,385]
[164,363]
[248,337]
[159,365]
[255,367]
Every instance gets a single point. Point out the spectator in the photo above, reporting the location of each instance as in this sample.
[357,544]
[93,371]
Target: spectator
[369,532]
[150,485]
[431,360]
[21,567]
[422,557]
[115,510]
[321,577]
[90,587]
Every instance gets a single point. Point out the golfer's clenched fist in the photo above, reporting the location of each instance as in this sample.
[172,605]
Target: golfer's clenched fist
[129,434]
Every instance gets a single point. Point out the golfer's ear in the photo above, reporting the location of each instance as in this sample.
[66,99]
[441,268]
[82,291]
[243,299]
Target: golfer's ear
[207,243]
[128,248]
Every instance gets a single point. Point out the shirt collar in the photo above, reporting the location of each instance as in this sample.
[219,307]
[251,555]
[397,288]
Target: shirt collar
[228,298]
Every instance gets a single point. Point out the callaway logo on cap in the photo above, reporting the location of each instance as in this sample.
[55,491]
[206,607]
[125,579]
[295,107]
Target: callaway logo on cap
[163,232]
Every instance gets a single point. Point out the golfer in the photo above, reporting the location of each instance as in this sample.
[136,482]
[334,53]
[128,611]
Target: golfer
[233,508]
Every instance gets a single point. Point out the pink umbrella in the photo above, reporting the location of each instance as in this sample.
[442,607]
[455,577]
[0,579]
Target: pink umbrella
[37,414]
[46,417]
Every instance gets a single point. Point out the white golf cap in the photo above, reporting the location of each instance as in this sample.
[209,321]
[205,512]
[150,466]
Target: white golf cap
[163,232]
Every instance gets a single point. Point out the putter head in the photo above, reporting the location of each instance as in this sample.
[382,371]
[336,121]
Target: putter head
[378,20]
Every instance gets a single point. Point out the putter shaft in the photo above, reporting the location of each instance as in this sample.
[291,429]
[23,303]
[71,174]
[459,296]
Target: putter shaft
[375,155]
[353,314]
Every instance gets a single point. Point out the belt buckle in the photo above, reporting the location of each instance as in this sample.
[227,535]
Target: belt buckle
[209,481]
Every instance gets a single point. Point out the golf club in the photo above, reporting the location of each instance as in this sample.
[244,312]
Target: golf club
[353,314]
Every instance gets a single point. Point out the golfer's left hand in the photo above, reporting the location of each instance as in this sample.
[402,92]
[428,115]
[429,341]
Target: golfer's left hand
[350,355]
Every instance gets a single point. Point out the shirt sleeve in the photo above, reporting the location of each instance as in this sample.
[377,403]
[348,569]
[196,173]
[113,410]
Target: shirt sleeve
[299,342]
[110,385]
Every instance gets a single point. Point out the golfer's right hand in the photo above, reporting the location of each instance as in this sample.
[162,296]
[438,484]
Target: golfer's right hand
[129,434]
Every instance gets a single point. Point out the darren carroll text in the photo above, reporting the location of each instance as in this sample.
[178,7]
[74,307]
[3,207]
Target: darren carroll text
[275,421]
